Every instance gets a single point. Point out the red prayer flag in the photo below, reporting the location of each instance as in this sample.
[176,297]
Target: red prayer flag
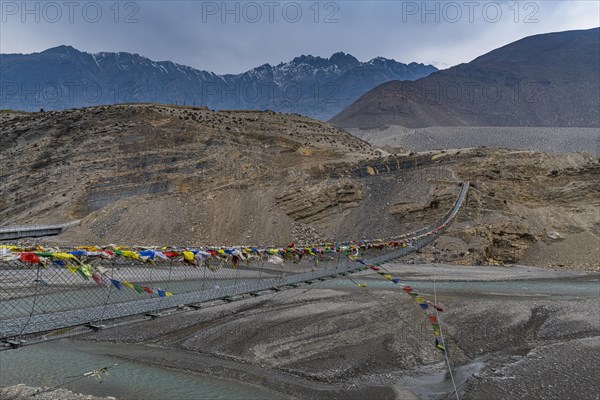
[147,289]
[97,278]
[29,258]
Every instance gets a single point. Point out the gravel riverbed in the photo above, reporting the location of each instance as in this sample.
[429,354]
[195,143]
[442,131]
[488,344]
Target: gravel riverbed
[512,333]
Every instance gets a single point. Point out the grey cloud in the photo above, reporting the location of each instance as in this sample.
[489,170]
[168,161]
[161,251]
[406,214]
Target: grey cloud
[193,33]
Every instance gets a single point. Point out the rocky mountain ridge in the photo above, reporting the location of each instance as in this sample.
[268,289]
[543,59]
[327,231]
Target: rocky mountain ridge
[548,80]
[64,77]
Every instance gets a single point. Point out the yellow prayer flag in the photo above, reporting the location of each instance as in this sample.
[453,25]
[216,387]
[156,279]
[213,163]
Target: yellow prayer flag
[188,256]
[87,248]
[130,254]
[64,256]
[128,284]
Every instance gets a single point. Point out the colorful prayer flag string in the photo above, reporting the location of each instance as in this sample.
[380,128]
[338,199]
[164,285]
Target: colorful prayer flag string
[425,305]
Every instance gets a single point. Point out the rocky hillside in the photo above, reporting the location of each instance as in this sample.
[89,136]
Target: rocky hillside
[137,163]
[64,77]
[524,207]
[153,174]
[550,80]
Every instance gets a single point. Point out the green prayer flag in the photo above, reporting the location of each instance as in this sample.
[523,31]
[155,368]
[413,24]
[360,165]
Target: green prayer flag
[85,270]
[138,288]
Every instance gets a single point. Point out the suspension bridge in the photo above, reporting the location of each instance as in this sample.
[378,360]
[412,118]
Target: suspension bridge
[29,231]
[46,290]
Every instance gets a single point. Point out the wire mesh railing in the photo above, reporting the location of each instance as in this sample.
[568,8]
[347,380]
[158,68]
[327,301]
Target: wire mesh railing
[41,291]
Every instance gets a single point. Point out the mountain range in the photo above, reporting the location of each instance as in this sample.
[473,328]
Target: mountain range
[547,80]
[64,77]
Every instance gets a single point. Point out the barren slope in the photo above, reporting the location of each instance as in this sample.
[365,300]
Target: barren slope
[547,80]
[64,165]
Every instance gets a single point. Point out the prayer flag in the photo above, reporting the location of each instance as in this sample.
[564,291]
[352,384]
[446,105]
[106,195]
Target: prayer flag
[85,270]
[138,288]
[128,284]
[188,256]
[29,258]
[147,289]
[97,278]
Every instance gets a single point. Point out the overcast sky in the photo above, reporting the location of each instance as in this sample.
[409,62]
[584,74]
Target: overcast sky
[231,37]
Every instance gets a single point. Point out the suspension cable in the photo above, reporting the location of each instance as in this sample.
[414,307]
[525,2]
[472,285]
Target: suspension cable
[437,314]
